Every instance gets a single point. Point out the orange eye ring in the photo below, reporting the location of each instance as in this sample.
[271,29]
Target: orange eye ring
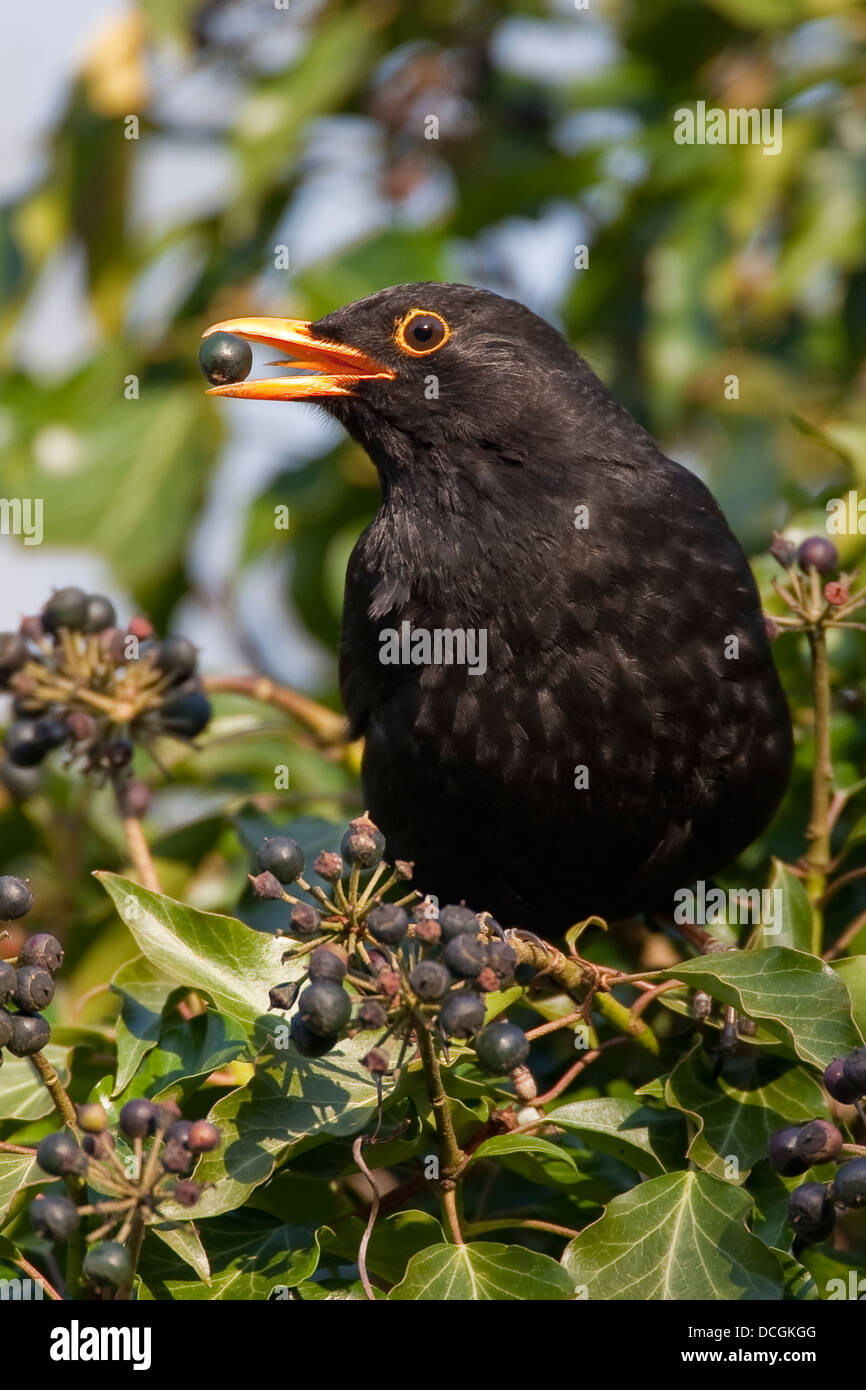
[428,326]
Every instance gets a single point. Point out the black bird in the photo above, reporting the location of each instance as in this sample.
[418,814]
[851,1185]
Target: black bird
[629,733]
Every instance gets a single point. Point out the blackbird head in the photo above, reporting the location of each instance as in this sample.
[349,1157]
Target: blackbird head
[429,376]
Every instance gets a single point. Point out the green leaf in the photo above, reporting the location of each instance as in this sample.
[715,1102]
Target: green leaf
[482,1272]
[185,1241]
[22,1094]
[188,1051]
[798,997]
[143,995]
[735,1113]
[229,962]
[791,923]
[678,1237]
[501,1145]
[652,1141]
[16,1171]
[853,971]
[289,1099]
[251,1255]
[394,1242]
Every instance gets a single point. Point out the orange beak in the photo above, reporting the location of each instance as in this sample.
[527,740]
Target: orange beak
[337,365]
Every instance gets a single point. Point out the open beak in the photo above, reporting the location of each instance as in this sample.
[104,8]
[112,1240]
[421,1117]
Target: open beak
[337,366]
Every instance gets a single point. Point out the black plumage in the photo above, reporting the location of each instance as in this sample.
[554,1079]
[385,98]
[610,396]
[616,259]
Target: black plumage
[610,646]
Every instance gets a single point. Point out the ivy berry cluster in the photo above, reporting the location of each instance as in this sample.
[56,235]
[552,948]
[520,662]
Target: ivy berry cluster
[81,683]
[26,984]
[425,974]
[165,1146]
[813,1206]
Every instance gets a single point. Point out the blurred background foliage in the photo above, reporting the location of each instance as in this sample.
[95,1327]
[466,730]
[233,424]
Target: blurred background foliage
[261,131]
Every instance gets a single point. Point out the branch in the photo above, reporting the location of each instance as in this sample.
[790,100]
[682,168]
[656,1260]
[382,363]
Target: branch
[55,1088]
[329,728]
[581,980]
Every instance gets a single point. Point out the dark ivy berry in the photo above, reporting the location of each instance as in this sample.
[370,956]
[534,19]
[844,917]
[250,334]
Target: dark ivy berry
[304,919]
[376,1061]
[462,1014]
[281,856]
[187,714]
[810,1212]
[30,1033]
[457,918]
[98,1146]
[14,653]
[783,1152]
[372,1014]
[43,950]
[176,657]
[328,866]
[99,613]
[466,955]
[327,964]
[108,1263]
[34,989]
[324,1008]
[225,358]
[308,1043]
[501,1047]
[8,976]
[186,1192]
[16,899]
[282,996]
[816,552]
[837,1084]
[501,959]
[783,550]
[175,1158]
[65,608]
[819,1142]
[178,1132]
[115,753]
[429,980]
[25,743]
[202,1137]
[5,1027]
[138,1118]
[59,1154]
[54,1217]
[849,1184]
[363,844]
[388,923]
[854,1070]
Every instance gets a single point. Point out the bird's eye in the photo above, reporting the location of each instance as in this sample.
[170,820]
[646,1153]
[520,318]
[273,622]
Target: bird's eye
[421,332]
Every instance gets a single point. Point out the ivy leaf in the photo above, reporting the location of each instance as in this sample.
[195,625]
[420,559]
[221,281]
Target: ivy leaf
[791,911]
[735,1113]
[395,1240]
[143,996]
[652,1141]
[288,1100]
[228,961]
[853,971]
[502,1145]
[188,1051]
[798,997]
[16,1171]
[482,1272]
[22,1094]
[251,1255]
[678,1237]
[185,1241]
